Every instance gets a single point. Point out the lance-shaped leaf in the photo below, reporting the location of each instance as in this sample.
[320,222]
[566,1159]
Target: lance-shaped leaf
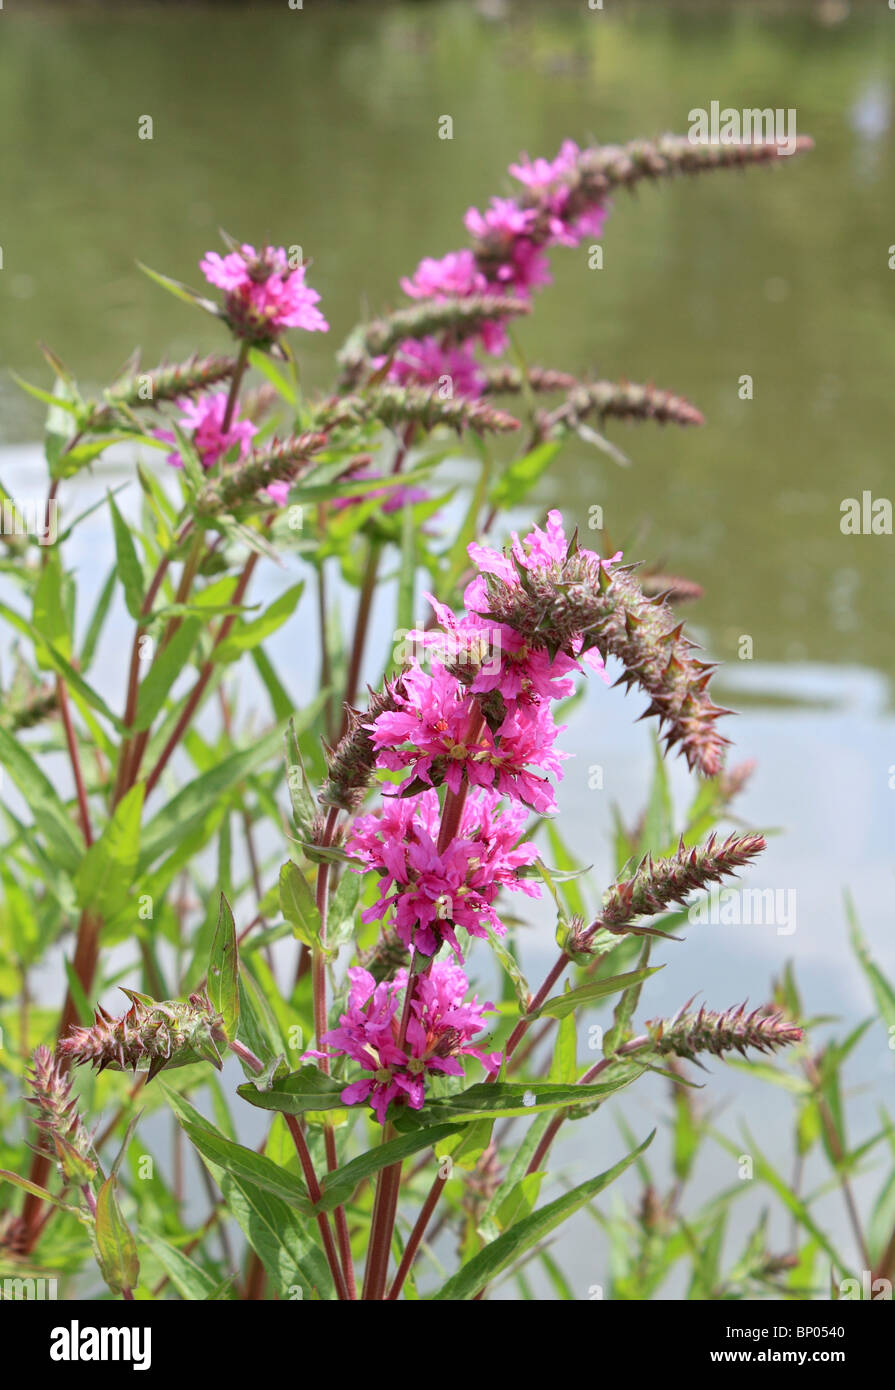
[275,1230]
[297,903]
[499,1253]
[303,807]
[107,870]
[129,570]
[504,1099]
[339,1185]
[116,1247]
[223,970]
[49,814]
[562,1004]
[249,1166]
[308,1089]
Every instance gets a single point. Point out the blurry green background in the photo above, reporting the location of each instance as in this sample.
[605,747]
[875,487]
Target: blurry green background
[320,127]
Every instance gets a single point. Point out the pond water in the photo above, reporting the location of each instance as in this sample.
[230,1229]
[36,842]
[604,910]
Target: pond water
[321,127]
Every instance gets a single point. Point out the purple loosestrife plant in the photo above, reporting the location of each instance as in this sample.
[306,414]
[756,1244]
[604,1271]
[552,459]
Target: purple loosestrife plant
[423,817]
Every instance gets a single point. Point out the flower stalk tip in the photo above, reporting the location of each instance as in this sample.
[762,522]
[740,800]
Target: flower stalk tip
[152,1035]
[688,1034]
[63,1134]
[659,883]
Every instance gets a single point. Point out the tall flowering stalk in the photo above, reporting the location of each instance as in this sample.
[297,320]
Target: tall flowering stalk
[413,843]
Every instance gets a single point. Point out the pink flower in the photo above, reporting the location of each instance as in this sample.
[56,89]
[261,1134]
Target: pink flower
[424,361]
[278,492]
[506,251]
[496,657]
[438,1033]
[438,733]
[429,894]
[549,182]
[264,293]
[501,223]
[539,174]
[539,550]
[457,273]
[203,419]
[432,721]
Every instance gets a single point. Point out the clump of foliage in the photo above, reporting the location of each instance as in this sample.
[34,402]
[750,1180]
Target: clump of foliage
[406,816]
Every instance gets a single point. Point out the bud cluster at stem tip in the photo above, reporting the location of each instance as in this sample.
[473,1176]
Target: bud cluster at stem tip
[150,1036]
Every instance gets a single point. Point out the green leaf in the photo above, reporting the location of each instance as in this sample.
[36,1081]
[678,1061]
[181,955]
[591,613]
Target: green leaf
[882,991]
[117,1248]
[624,1009]
[97,621]
[478,1272]
[50,815]
[50,615]
[658,825]
[306,1089]
[298,906]
[511,967]
[562,1004]
[163,672]
[304,808]
[104,878]
[47,397]
[280,700]
[341,923]
[81,1002]
[273,1229]
[766,1173]
[77,685]
[517,481]
[262,363]
[223,970]
[36,1191]
[500,1100]
[295,1265]
[244,636]
[176,818]
[181,291]
[564,1066]
[258,1027]
[407,573]
[249,1166]
[59,429]
[339,1185]
[189,1280]
[519,1201]
[129,571]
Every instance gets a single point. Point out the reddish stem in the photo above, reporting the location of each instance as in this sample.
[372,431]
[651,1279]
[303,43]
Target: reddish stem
[71,741]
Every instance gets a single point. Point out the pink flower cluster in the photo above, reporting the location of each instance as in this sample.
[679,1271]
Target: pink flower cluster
[204,420]
[440,724]
[511,240]
[431,893]
[479,722]
[264,292]
[437,1035]
[438,728]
